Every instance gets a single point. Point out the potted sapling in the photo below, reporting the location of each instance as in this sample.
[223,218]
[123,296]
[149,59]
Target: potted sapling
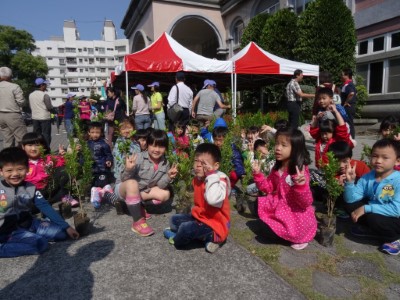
[327,224]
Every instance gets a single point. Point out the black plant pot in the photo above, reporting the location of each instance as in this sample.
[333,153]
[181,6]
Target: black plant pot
[252,204]
[65,210]
[326,235]
[81,222]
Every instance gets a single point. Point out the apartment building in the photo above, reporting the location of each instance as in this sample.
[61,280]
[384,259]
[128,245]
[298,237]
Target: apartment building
[80,66]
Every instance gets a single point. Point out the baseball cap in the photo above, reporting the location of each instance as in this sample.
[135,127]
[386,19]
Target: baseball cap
[155,83]
[69,95]
[40,81]
[208,82]
[138,87]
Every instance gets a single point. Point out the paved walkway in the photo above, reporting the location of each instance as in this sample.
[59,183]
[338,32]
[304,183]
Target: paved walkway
[113,263]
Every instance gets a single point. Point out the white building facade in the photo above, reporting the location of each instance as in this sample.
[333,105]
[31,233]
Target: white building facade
[80,66]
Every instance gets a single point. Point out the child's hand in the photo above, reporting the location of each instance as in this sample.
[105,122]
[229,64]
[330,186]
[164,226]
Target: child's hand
[207,168]
[108,164]
[351,173]
[342,179]
[130,161]
[173,171]
[299,178]
[356,214]
[72,233]
[265,128]
[332,108]
[256,166]
[397,137]
[314,121]
[61,150]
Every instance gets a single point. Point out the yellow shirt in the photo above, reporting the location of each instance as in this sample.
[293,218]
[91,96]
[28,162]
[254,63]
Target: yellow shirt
[155,99]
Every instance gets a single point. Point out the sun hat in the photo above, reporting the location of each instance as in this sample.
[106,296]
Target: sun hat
[138,87]
[155,83]
[208,82]
[70,95]
[40,81]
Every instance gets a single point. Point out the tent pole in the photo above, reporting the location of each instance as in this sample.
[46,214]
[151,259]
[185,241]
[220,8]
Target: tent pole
[235,96]
[127,93]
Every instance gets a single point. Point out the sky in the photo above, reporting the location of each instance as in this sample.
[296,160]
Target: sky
[45,18]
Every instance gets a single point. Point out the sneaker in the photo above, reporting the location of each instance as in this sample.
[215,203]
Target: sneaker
[70,200]
[169,235]
[106,188]
[212,247]
[360,231]
[95,197]
[142,228]
[299,246]
[392,248]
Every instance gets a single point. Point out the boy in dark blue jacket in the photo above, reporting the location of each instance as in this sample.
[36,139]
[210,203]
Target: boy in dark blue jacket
[20,232]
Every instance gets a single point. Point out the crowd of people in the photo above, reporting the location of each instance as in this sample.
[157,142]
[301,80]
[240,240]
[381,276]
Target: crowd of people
[139,173]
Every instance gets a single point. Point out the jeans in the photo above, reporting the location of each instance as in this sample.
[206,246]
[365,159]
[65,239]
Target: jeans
[294,109]
[68,126]
[188,229]
[142,121]
[159,121]
[43,127]
[30,241]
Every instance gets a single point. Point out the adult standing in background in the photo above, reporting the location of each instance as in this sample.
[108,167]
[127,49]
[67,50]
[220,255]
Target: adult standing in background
[117,105]
[294,96]
[157,106]
[42,108]
[182,94]
[69,113]
[141,108]
[349,98]
[206,99]
[12,125]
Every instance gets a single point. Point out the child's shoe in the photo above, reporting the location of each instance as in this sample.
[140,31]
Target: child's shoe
[299,246]
[142,228]
[392,248]
[212,247]
[106,188]
[144,213]
[95,197]
[169,235]
[70,200]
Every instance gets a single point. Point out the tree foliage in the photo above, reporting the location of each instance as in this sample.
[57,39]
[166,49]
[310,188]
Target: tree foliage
[326,36]
[16,47]
[279,34]
[253,31]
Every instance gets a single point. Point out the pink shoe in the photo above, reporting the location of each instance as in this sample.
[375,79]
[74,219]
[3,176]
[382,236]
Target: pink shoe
[299,246]
[144,213]
[70,200]
[142,228]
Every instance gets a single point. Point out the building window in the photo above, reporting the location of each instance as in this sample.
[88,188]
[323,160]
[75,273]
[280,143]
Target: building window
[110,49]
[102,70]
[91,70]
[52,89]
[61,50]
[51,79]
[82,80]
[72,69]
[49,48]
[49,58]
[80,70]
[62,71]
[80,60]
[102,50]
[70,50]
[120,49]
[91,61]
[62,61]
[90,51]
[237,32]
[362,47]
[379,44]
[74,90]
[84,49]
[395,40]
[102,60]
[79,49]
[64,91]
[63,81]
[394,76]
[375,77]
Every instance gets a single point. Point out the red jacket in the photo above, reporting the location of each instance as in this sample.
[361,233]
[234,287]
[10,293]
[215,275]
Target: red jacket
[340,134]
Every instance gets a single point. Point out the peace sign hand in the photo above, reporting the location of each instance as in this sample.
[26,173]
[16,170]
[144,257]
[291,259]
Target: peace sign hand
[299,178]
[351,172]
[130,162]
[173,171]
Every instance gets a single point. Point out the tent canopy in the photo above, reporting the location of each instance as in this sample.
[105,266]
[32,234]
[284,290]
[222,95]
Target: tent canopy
[254,60]
[167,55]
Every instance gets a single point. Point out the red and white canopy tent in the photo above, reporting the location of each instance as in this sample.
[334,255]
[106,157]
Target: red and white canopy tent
[166,55]
[253,60]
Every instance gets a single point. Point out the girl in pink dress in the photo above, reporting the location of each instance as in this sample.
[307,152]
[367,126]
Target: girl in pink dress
[287,208]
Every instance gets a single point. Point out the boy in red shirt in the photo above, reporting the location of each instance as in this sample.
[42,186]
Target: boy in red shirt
[210,217]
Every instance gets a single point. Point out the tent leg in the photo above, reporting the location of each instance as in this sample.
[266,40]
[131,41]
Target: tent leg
[127,93]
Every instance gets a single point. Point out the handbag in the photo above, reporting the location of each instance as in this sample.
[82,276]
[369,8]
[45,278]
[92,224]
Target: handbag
[110,116]
[175,111]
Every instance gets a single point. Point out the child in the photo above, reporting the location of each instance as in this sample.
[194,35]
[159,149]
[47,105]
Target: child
[141,138]
[84,110]
[328,132]
[40,163]
[181,140]
[146,178]
[20,232]
[287,208]
[324,98]
[193,130]
[374,202]
[388,125]
[124,146]
[210,218]
[102,157]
